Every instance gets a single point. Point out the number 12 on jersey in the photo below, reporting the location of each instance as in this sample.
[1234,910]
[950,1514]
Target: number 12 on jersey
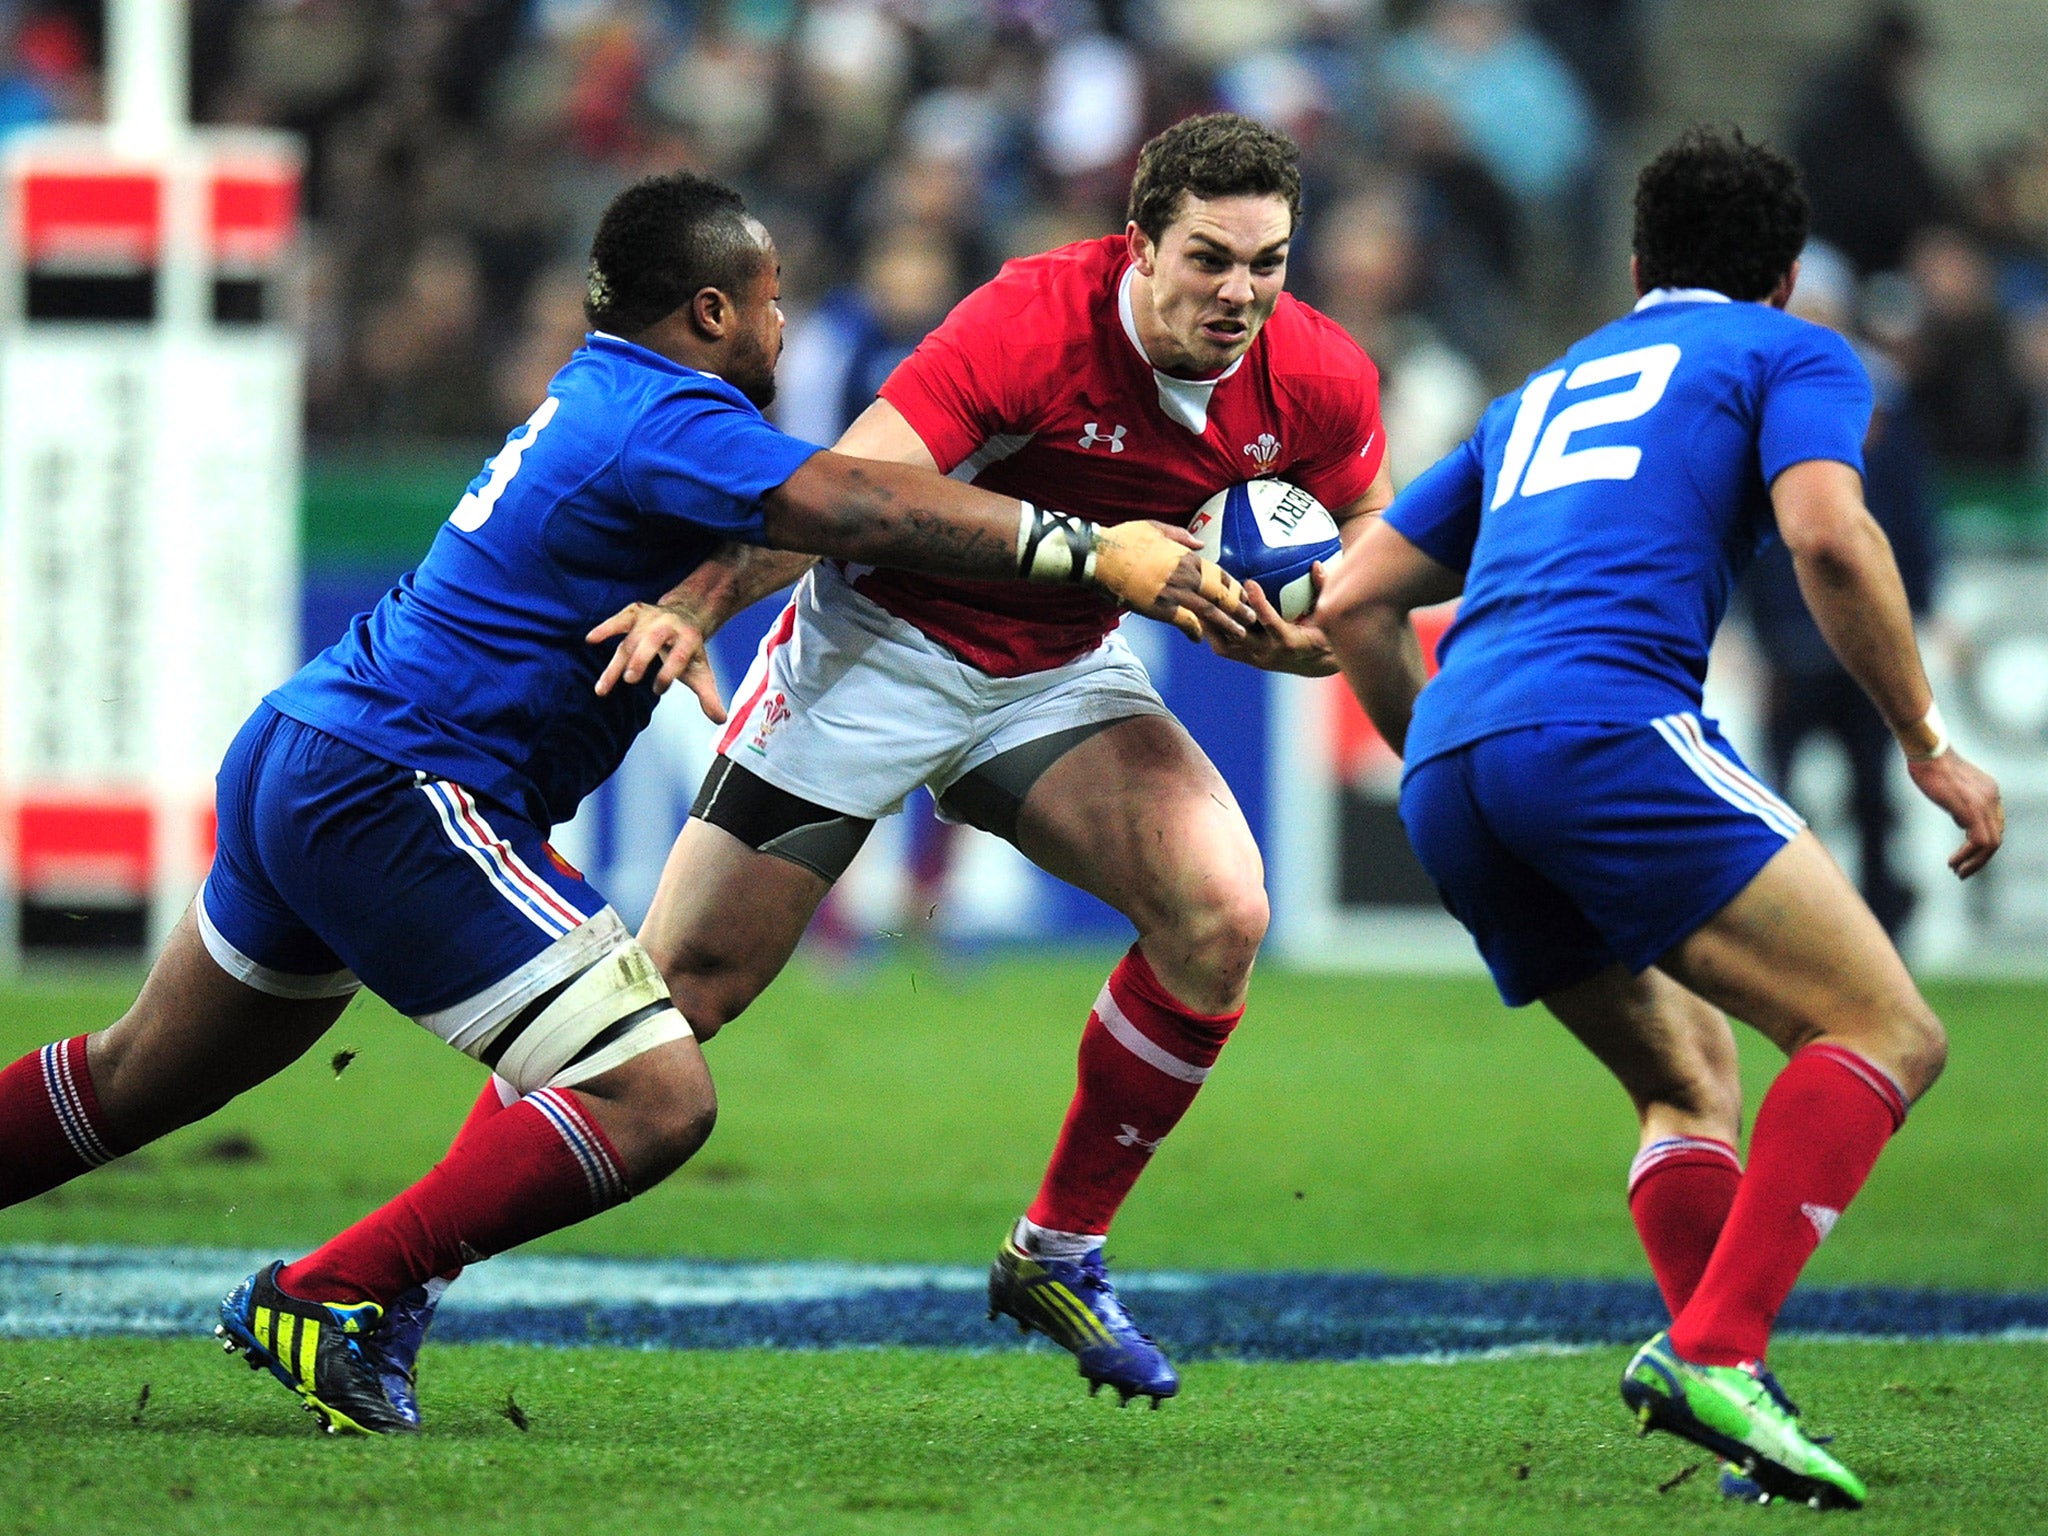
[1532,465]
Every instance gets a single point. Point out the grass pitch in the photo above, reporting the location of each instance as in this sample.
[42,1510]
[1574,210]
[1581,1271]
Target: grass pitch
[904,1114]
[1950,1437]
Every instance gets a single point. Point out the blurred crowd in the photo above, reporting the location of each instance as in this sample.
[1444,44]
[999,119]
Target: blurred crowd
[899,150]
[1466,165]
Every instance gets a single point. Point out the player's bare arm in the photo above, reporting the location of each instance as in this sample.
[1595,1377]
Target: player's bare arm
[1302,647]
[1852,586]
[914,520]
[669,634]
[1364,613]
[880,432]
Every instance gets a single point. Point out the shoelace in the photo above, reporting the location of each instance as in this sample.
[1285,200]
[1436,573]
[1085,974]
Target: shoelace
[1096,1278]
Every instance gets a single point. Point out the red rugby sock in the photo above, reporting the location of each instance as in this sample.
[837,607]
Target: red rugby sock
[1818,1134]
[497,1097]
[51,1125]
[1143,1058]
[1679,1191]
[536,1166]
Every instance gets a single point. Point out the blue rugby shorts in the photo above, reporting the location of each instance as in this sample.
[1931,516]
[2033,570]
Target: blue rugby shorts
[1567,848]
[335,869]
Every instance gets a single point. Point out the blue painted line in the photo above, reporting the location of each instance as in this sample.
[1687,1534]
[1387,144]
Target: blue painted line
[52,1292]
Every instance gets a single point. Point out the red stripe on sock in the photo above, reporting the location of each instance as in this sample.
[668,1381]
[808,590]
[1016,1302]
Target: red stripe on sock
[1818,1134]
[1123,1105]
[510,1178]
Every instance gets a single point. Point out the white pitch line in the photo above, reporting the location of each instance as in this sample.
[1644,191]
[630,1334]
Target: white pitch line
[53,1290]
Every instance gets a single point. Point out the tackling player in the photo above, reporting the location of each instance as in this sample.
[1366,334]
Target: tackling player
[1136,374]
[1605,846]
[383,815]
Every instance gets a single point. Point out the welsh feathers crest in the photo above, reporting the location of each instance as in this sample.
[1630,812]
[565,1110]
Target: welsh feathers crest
[1264,453]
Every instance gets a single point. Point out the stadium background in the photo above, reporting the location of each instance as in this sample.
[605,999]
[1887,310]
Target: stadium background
[1467,168]
[889,1103]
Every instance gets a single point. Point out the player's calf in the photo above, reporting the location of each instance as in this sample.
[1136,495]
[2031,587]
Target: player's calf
[193,1039]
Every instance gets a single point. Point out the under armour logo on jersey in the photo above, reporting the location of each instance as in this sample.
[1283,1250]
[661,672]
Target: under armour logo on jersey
[1091,435]
[1823,1218]
[1264,453]
[1131,1138]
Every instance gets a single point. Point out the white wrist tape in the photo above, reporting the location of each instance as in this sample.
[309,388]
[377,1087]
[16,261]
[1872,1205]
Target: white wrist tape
[1051,546]
[1930,735]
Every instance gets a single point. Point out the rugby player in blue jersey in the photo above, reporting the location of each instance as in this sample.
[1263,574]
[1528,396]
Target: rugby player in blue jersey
[383,815]
[1607,849]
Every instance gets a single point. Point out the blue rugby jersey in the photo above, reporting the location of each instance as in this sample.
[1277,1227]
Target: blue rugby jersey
[1602,512]
[474,667]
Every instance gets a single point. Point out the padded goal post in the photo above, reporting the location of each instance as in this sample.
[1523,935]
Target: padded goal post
[150,426]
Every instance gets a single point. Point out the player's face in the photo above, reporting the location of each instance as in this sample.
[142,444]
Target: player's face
[757,336]
[1213,279]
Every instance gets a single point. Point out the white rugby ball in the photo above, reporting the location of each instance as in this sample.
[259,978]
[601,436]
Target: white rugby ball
[1270,532]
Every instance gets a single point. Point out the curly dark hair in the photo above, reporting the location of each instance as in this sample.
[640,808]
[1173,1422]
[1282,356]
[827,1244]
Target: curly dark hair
[1220,155]
[1716,210]
[662,241]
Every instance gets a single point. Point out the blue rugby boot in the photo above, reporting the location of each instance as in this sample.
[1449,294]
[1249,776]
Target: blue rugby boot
[1728,1410]
[393,1350]
[1072,1302]
[316,1349]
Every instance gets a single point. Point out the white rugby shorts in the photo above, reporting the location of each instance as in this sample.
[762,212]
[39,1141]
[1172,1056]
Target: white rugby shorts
[852,708]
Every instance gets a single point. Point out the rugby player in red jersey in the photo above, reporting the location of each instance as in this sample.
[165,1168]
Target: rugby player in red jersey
[1131,376]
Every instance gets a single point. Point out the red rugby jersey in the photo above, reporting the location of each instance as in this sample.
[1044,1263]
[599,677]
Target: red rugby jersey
[1035,386]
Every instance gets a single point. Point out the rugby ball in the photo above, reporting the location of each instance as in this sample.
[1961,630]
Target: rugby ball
[1270,532]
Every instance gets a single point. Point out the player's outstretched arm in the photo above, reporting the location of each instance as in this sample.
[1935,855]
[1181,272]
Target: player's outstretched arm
[1852,587]
[916,520]
[1364,611]
[669,633]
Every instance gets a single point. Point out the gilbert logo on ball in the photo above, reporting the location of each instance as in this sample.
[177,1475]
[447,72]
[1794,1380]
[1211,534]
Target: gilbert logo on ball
[1270,532]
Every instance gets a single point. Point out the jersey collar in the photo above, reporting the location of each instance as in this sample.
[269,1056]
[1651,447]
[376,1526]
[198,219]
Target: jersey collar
[647,355]
[1185,401]
[1658,296]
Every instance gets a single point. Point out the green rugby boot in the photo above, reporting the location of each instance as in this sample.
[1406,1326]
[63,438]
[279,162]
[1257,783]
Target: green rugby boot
[1731,1411]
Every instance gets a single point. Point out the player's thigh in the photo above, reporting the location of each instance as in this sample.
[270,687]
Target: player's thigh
[1137,815]
[1797,954]
[1085,770]
[449,905]
[1649,829]
[747,872]
[846,707]
[1666,1046]
[194,1038]
[1533,938]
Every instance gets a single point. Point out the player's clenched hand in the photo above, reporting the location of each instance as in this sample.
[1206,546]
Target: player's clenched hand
[1274,644]
[1971,798]
[1157,570]
[668,636]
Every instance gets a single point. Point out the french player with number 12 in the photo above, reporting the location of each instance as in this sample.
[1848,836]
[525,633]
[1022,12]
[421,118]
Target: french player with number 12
[1607,849]
[383,816]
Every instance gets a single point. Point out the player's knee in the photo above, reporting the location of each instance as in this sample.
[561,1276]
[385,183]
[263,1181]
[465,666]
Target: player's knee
[676,1121]
[1215,938]
[710,985]
[1920,1050]
[657,1109]
[585,1006]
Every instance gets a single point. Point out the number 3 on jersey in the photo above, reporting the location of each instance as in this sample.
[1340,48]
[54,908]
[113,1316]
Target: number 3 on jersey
[476,506]
[1532,466]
